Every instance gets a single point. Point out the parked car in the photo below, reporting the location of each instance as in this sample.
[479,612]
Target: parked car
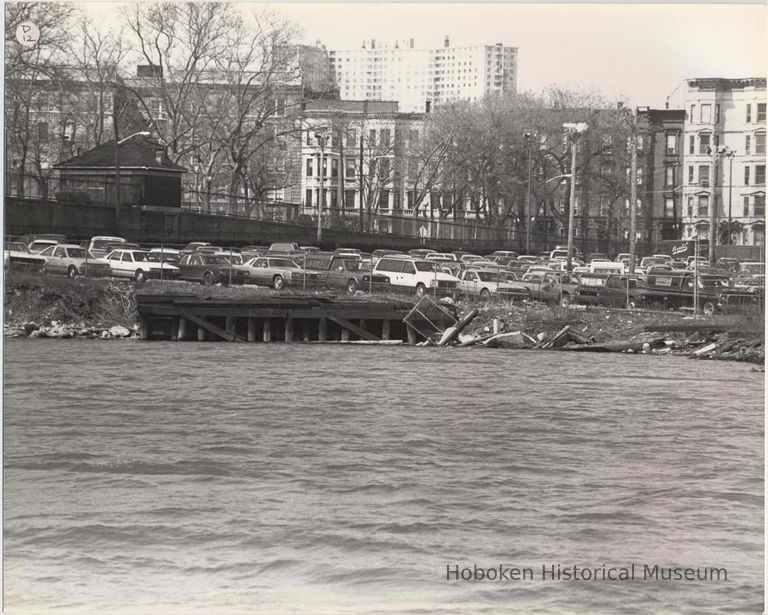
[38,242]
[138,264]
[420,252]
[101,245]
[347,252]
[414,275]
[597,256]
[468,259]
[550,286]
[165,255]
[16,257]
[249,252]
[742,300]
[210,269]
[192,246]
[731,264]
[675,290]
[73,260]
[283,249]
[505,254]
[484,283]
[441,256]
[611,291]
[277,272]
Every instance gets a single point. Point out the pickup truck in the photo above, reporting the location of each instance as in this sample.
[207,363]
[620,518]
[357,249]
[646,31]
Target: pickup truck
[550,287]
[486,282]
[674,290]
[610,291]
[336,270]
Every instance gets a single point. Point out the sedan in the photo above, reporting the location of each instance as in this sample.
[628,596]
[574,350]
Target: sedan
[277,272]
[139,265]
[72,260]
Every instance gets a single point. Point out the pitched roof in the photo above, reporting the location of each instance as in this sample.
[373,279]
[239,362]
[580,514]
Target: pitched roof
[136,152]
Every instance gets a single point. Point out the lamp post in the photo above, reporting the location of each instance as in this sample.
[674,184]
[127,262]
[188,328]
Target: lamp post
[572,129]
[118,195]
[529,138]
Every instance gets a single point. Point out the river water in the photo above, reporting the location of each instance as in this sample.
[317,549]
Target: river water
[160,477]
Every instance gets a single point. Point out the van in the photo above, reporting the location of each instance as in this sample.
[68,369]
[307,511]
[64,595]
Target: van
[606,267]
[414,275]
[101,245]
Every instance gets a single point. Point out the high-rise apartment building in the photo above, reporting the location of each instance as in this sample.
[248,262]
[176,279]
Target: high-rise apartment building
[724,159]
[420,79]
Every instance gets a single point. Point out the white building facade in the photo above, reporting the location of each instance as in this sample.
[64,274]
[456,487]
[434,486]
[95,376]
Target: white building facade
[421,79]
[724,159]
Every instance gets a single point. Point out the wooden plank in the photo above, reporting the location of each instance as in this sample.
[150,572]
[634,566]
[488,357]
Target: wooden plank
[353,328]
[201,322]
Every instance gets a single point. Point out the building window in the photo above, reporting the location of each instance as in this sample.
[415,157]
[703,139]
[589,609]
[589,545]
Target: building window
[349,199]
[704,175]
[350,168]
[384,199]
[669,207]
[749,113]
[414,138]
[334,167]
[309,167]
[706,114]
[351,137]
[717,114]
[639,176]
[384,169]
[42,131]
[746,175]
[308,198]
[671,144]
[704,144]
[760,143]
[760,112]
[309,137]
[691,144]
[690,174]
[703,205]
[747,143]
[758,210]
[372,137]
[669,175]
[693,113]
[385,137]
[760,174]
[690,206]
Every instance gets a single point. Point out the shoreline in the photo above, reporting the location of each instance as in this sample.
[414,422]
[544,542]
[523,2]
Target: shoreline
[59,308]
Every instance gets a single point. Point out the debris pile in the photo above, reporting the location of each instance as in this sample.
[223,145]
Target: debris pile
[68,330]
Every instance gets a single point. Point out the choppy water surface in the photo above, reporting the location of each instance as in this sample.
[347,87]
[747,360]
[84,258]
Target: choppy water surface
[215,478]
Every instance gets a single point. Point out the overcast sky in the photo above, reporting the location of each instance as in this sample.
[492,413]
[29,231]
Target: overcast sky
[638,52]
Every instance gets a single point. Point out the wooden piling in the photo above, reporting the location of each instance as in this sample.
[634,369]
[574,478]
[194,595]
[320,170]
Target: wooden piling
[323,330]
[230,324]
[267,330]
[305,330]
[344,334]
[289,329]
[200,334]
[251,329]
[385,330]
[181,334]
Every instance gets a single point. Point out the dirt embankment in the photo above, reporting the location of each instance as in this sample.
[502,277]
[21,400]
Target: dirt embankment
[106,308]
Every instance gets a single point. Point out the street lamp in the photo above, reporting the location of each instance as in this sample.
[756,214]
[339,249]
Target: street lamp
[118,196]
[572,129]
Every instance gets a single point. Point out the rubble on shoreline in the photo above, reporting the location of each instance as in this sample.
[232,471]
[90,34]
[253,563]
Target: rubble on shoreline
[106,309]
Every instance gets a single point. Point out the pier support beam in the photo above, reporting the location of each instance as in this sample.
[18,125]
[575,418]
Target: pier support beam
[200,334]
[230,326]
[251,329]
[181,334]
[267,330]
[385,330]
[305,330]
[289,329]
[344,334]
[323,330]
[143,332]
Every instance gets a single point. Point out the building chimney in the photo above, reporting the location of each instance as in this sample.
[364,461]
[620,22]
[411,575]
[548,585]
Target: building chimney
[373,43]
[428,106]
[447,42]
[411,41]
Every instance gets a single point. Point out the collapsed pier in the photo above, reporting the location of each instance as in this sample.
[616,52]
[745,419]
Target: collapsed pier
[281,318]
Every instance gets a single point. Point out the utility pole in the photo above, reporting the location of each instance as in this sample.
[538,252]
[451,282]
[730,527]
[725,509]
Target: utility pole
[731,153]
[117,164]
[632,191]
[574,129]
[529,137]
[716,153]
[321,196]
[362,178]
